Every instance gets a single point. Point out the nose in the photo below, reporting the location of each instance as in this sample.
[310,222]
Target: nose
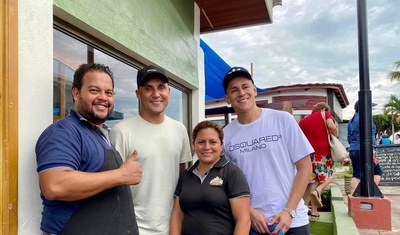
[206,145]
[241,91]
[102,95]
[155,93]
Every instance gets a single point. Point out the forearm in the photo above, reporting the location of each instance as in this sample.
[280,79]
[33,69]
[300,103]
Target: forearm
[175,225]
[242,227]
[70,185]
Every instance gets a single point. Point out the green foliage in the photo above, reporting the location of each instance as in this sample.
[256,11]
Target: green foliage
[350,170]
[392,106]
[395,74]
[383,123]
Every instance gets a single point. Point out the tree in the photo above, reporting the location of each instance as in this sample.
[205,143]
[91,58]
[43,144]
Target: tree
[395,74]
[393,108]
[382,122]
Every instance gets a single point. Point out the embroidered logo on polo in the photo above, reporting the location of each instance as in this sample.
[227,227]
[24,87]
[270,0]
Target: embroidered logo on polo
[254,144]
[217,181]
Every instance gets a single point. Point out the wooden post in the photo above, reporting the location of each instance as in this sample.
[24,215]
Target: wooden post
[287,106]
[9,116]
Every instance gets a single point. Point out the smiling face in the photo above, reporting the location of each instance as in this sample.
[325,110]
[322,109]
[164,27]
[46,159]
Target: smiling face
[208,146]
[241,93]
[95,99]
[154,95]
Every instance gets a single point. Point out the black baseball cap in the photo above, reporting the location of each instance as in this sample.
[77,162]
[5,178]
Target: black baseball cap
[235,72]
[150,70]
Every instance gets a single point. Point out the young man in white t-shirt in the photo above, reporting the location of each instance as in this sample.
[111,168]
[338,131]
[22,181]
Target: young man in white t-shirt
[163,148]
[273,153]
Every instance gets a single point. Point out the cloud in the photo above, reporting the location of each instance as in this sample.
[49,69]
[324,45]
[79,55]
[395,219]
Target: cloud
[317,41]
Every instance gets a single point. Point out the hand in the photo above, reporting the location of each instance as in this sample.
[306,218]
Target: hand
[258,221]
[131,170]
[284,222]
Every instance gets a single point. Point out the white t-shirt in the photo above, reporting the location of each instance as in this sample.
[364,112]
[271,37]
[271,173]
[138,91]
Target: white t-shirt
[161,148]
[266,150]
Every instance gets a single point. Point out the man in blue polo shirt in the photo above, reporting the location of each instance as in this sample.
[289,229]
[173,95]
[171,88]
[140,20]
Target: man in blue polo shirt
[84,184]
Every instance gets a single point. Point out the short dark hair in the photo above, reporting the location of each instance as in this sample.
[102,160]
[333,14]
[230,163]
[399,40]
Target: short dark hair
[208,124]
[84,68]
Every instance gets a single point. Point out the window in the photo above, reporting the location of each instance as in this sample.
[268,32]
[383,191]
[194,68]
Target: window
[70,51]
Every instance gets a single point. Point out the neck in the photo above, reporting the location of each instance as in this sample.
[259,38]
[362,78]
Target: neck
[204,167]
[154,119]
[249,116]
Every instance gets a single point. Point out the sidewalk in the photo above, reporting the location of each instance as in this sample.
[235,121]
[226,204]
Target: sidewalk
[393,193]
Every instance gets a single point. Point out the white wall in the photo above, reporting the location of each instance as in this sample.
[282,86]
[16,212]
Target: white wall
[198,96]
[35,100]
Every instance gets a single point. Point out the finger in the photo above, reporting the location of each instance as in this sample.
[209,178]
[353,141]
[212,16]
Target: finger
[273,220]
[264,227]
[134,155]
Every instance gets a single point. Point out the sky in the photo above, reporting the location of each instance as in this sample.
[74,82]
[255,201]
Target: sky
[316,41]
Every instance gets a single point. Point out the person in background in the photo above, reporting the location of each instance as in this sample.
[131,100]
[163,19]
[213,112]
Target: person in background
[385,139]
[163,150]
[273,153]
[397,140]
[84,184]
[212,196]
[322,175]
[353,137]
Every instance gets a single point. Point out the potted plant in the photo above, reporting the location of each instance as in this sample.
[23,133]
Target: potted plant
[348,175]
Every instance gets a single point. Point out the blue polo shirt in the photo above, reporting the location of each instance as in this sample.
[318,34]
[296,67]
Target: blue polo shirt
[71,142]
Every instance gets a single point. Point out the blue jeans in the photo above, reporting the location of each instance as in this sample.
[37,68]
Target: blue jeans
[302,230]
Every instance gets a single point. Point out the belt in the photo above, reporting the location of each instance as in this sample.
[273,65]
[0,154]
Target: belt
[45,233]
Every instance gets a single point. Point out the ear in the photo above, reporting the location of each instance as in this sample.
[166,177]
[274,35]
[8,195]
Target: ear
[137,94]
[255,90]
[227,100]
[75,93]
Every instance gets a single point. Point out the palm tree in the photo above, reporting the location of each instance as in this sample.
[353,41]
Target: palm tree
[395,74]
[393,108]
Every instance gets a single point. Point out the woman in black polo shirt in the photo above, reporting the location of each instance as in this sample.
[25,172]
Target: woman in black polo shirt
[212,196]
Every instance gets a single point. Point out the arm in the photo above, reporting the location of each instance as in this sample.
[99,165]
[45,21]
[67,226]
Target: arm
[177,215]
[332,127]
[182,167]
[241,213]
[71,185]
[300,183]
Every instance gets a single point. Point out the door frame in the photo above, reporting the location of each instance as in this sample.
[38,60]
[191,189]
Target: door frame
[9,116]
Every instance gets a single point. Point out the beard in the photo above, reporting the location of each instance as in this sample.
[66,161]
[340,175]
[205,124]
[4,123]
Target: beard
[87,111]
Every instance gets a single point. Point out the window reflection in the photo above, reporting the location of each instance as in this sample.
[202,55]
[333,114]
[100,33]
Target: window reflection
[69,53]
[126,102]
[178,106]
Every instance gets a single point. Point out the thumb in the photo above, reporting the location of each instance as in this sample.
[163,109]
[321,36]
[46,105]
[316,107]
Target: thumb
[134,155]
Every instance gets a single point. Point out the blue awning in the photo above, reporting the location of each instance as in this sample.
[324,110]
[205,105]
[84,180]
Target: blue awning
[215,69]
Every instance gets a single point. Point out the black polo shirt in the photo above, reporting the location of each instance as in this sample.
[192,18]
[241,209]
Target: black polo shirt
[205,200]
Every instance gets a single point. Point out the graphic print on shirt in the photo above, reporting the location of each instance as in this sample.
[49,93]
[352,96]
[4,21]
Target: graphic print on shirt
[254,144]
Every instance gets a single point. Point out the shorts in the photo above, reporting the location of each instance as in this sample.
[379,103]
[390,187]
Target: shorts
[355,161]
[322,168]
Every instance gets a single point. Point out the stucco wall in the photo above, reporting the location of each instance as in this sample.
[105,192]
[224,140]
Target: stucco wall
[35,100]
[154,30]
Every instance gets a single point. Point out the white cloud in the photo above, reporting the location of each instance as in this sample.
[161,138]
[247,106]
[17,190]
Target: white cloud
[317,41]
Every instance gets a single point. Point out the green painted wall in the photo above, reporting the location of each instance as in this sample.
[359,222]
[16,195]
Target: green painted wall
[157,30]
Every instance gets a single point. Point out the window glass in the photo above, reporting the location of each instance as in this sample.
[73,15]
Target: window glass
[178,106]
[126,103]
[70,52]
